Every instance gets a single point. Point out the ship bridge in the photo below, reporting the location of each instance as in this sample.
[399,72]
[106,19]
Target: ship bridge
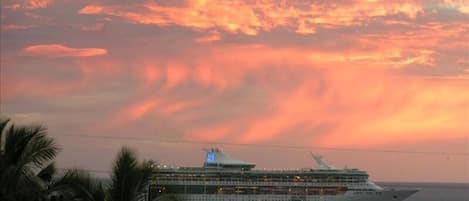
[215,158]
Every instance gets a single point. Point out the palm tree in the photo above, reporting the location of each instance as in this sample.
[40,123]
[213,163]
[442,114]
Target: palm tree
[129,177]
[26,161]
[28,172]
[76,185]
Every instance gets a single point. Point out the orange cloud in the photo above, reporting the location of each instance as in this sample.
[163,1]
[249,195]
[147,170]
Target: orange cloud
[367,104]
[297,108]
[92,9]
[58,50]
[197,14]
[15,27]
[29,4]
[214,36]
[95,27]
[208,76]
[175,74]
[407,110]
[28,86]
[151,74]
[211,134]
[361,96]
[460,5]
[239,60]
[368,109]
[14,6]
[249,18]
[353,83]
[140,109]
[172,107]
[33,4]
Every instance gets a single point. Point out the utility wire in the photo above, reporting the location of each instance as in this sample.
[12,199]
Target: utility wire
[159,141]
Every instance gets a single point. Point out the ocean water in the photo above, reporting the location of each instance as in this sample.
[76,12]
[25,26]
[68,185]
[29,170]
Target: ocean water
[434,191]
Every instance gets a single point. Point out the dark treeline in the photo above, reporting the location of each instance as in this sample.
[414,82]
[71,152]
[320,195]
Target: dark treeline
[28,171]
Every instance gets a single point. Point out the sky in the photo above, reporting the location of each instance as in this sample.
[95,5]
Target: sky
[366,74]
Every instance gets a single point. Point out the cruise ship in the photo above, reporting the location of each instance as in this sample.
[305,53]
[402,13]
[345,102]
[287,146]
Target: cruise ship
[223,178]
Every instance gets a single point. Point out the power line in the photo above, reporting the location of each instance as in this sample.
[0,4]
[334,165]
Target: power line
[272,145]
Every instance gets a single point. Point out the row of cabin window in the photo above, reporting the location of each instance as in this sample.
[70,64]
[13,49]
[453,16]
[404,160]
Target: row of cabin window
[171,177]
[244,190]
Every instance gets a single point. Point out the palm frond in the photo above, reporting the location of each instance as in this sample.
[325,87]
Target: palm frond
[26,168]
[16,142]
[79,185]
[47,173]
[42,149]
[3,126]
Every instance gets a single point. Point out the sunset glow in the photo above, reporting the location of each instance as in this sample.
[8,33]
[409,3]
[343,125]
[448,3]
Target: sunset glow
[312,73]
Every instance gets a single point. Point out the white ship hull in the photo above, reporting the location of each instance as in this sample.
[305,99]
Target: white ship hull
[385,195]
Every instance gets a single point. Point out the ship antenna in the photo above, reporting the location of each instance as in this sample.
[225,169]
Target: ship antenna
[321,163]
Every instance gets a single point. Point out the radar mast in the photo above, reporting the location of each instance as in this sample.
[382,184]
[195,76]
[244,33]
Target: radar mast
[321,164]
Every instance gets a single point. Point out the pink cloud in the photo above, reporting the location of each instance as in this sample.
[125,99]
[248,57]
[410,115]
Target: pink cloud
[58,50]
[94,27]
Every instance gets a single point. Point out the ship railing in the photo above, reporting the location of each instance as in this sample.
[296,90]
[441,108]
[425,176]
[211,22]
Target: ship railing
[172,178]
[244,183]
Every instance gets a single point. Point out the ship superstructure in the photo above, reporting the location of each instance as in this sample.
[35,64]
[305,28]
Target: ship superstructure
[223,178]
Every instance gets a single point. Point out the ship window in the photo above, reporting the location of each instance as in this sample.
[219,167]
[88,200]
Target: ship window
[210,157]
